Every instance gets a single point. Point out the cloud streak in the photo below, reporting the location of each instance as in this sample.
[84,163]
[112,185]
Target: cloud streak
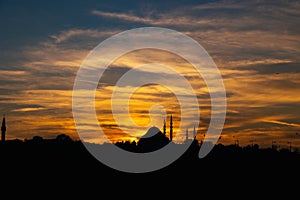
[283,123]
[122,16]
[161,19]
[92,33]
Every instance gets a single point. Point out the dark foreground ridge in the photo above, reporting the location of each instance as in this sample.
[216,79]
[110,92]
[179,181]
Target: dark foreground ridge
[66,163]
[64,153]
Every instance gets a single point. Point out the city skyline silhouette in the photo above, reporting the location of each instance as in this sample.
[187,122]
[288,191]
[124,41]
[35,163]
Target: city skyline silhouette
[152,140]
[247,60]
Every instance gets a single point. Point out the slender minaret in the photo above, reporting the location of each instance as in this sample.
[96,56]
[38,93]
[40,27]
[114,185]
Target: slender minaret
[171,128]
[3,129]
[194,133]
[187,135]
[165,127]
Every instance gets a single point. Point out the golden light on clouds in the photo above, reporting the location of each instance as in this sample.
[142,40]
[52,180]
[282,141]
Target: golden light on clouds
[256,48]
[27,109]
[150,104]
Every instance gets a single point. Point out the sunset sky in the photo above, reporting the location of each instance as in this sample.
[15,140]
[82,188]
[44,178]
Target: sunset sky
[255,44]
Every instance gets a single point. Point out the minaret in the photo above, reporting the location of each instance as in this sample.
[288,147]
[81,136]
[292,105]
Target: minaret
[3,129]
[165,127]
[187,135]
[194,133]
[171,128]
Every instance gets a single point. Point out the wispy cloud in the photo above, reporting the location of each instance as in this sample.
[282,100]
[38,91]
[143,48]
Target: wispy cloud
[93,33]
[283,123]
[27,109]
[4,73]
[123,16]
[159,19]
[266,61]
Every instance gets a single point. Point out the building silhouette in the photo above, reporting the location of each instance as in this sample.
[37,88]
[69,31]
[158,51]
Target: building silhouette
[187,137]
[153,140]
[165,127]
[3,129]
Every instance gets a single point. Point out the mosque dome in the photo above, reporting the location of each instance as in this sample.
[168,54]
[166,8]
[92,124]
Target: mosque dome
[153,140]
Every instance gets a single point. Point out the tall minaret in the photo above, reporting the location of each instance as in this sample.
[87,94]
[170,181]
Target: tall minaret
[165,127]
[187,135]
[3,129]
[171,128]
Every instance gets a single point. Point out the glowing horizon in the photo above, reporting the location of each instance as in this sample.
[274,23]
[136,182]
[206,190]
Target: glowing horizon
[256,48]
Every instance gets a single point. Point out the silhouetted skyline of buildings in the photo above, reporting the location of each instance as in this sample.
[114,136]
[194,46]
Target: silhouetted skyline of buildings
[169,136]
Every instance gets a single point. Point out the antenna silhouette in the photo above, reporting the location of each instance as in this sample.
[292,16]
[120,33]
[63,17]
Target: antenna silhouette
[3,129]
[164,127]
[171,128]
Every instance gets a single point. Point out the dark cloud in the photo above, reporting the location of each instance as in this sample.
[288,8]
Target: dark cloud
[111,75]
[110,126]
[275,69]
